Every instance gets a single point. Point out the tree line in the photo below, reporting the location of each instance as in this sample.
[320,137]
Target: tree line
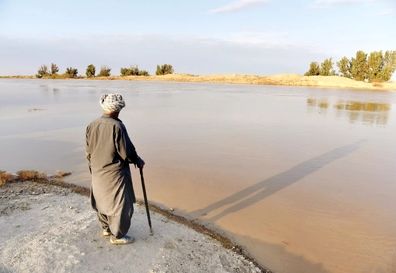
[377,66]
[53,71]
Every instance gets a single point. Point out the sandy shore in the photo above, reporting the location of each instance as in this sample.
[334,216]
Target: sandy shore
[47,228]
[282,80]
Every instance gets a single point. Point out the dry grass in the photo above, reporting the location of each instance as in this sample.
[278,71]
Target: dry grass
[31,175]
[61,174]
[18,77]
[39,177]
[5,178]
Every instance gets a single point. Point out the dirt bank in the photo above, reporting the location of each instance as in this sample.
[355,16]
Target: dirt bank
[282,80]
[47,228]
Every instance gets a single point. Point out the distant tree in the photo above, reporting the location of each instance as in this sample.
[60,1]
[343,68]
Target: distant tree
[133,71]
[129,71]
[164,69]
[344,67]
[90,72]
[389,66]
[375,65]
[125,71]
[359,66]
[42,71]
[71,72]
[143,73]
[314,69]
[54,69]
[326,68]
[104,71]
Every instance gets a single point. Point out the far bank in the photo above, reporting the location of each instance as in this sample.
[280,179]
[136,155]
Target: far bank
[281,80]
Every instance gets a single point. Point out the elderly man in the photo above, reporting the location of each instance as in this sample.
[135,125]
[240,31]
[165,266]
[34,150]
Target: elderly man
[109,152]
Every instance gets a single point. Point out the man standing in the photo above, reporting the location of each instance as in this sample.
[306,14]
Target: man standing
[109,152]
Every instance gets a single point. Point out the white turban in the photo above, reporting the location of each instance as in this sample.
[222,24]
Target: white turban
[112,103]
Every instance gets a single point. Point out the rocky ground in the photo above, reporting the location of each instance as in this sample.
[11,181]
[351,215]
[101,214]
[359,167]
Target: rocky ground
[46,228]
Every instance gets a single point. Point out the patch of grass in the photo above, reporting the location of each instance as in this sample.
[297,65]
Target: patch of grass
[61,174]
[39,177]
[30,175]
[5,178]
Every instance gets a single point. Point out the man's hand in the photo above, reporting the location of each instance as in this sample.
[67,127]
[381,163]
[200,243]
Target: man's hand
[140,163]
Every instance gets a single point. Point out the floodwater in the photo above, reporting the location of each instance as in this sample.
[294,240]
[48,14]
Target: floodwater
[304,178]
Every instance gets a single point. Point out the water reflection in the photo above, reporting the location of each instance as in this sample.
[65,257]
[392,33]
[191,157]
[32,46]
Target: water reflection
[356,111]
[315,103]
[317,106]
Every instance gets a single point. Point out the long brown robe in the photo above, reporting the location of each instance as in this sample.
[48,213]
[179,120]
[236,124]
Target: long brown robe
[109,152]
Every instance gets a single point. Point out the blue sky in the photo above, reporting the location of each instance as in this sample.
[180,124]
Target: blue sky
[201,37]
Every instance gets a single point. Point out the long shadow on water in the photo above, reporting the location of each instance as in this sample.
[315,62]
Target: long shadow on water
[263,189]
[278,258]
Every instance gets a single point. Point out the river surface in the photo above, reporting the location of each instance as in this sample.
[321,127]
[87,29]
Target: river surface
[303,178]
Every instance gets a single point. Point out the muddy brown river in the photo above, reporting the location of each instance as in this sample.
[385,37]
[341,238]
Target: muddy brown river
[303,178]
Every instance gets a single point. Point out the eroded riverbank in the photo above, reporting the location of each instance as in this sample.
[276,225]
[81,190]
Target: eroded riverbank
[47,227]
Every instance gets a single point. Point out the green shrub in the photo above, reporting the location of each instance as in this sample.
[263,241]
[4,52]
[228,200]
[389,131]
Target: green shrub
[344,66]
[42,72]
[359,66]
[54,69]
[104,71]
[90,72]
[164,69]
[133,71]
[326,68]
[71,72]
[314,69]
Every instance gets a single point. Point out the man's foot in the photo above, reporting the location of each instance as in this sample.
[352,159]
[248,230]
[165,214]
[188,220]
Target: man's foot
[122,241]
[106,232]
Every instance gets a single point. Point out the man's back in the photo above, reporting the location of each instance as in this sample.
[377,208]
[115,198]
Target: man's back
[101,147]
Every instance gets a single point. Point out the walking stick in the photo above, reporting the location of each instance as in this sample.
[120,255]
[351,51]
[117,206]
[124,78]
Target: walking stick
[145,200]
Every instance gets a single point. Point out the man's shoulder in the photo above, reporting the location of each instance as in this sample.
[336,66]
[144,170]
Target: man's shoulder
[105,120]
